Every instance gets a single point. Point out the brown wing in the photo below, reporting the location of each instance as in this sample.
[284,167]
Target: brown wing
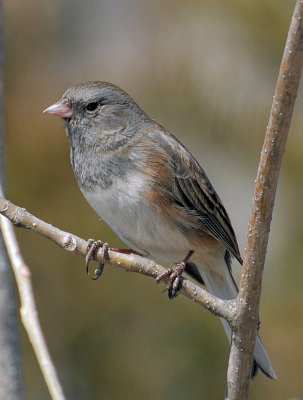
[193,191]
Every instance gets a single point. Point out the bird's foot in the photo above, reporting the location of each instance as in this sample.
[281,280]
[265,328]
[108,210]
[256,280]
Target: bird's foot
[92,249]
[175,277]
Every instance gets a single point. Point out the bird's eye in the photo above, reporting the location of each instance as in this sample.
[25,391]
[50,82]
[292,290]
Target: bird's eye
[92,107]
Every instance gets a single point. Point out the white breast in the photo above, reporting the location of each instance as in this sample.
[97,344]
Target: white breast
[124,208]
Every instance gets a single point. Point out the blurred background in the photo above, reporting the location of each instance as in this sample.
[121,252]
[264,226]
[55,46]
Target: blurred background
[206,70]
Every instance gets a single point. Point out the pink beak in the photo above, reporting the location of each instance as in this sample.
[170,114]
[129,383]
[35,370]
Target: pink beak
[60,109]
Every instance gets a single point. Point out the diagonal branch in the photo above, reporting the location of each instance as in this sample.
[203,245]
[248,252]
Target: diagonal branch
[130,262]
[245,327]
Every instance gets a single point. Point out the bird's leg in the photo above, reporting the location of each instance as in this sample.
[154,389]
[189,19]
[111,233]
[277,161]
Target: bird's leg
[92,248]
[175,276]
[126,251]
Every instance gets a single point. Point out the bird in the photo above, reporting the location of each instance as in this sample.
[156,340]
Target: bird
[151,191]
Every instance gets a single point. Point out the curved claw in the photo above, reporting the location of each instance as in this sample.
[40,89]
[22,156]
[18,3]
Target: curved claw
[92,248]
[98,271]
[175,276]
[175,279]
[175,287]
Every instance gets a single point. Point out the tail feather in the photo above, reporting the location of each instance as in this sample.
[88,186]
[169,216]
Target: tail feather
[226,288]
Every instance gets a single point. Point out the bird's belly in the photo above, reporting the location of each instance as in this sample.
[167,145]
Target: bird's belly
[128,213]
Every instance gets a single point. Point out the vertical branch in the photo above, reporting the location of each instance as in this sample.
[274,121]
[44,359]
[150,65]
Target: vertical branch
[29,312]
[11,383]
[245,328]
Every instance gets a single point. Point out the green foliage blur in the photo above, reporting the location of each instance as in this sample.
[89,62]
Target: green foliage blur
[206,70]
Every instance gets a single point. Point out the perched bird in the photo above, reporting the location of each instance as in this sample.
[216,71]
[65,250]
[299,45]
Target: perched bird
[151,191]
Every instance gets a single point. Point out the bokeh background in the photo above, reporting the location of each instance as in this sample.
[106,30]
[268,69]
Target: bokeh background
[206,70]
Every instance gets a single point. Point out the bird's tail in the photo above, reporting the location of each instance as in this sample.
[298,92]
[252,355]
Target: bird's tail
[222,284]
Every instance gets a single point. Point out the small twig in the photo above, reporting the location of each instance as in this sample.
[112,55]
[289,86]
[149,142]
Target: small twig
[245,326]
[130,262]
[29,314]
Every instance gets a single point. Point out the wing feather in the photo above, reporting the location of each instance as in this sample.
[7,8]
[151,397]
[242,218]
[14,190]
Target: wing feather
[192,190]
